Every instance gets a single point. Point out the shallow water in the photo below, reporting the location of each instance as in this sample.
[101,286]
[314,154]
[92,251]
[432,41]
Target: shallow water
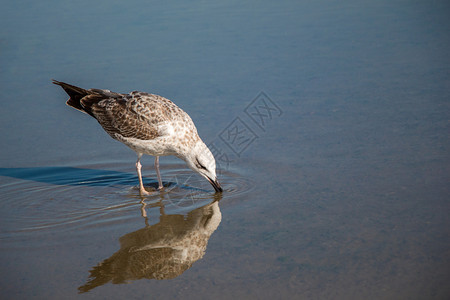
[329,122]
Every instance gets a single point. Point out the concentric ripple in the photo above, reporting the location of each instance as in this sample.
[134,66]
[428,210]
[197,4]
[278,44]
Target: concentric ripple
[46,200]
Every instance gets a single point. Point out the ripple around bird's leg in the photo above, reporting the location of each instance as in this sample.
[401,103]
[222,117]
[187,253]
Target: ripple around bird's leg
[87,198]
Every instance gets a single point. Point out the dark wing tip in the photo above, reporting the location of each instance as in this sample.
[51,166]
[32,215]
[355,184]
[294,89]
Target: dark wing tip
[75,93]
[60,83]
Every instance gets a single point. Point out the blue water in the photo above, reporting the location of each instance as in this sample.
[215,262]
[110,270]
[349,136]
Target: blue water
[329,122]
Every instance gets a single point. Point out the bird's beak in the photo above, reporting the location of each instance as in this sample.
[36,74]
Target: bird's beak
[216,185]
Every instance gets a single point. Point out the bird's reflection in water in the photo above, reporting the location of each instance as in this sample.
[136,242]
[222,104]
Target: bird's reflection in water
[161,251]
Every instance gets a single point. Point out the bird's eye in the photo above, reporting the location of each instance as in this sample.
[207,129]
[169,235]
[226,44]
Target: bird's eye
[199,165]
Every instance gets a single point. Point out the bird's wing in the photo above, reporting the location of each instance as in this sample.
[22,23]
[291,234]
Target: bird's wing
[118,114]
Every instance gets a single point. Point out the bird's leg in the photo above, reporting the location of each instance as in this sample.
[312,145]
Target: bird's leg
[160,185]
[142,191]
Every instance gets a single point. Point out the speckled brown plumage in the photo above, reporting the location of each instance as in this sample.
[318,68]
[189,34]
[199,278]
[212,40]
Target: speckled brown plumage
[148,124]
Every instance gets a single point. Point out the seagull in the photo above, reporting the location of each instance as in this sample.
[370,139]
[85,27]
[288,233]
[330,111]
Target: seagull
[148,124]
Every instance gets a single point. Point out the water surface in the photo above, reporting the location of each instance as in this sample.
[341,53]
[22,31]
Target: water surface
[329,122]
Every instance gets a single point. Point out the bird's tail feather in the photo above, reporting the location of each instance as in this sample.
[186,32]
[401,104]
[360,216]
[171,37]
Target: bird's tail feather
[75,93]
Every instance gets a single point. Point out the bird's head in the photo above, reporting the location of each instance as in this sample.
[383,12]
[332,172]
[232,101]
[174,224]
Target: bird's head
[201,160]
